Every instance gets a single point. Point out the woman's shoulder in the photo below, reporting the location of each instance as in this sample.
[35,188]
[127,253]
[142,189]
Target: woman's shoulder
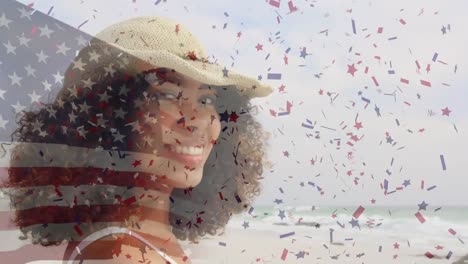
[118,248]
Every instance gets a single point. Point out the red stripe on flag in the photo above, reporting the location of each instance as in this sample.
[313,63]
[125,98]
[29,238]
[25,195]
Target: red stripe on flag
[101,249]
[82,213]
[59,176]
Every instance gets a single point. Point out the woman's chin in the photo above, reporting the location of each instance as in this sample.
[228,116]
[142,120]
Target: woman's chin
[191,179]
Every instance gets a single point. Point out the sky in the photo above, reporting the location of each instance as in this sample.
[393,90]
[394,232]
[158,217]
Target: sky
[396,131]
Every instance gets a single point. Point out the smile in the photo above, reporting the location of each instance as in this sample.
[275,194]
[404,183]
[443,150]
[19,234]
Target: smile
[187,150]
[188,155]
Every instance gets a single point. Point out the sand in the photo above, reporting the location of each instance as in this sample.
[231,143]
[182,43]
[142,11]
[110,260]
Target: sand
[239,245]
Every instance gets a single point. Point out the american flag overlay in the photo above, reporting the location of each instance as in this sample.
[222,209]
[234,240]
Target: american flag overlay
[80,139]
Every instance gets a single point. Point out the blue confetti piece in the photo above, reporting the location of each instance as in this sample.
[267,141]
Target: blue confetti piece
[251,210]
[365,99]
[274,76]
[442,160]
[431,188]
[287,51]
[281,190]
[307,126]
[287,234]
[393,38]
[449,255]
[391,72]
[283,113]
[434,58]
[222,244]
[354,26]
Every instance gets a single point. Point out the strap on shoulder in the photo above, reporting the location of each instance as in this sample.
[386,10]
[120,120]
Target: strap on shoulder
[109,231]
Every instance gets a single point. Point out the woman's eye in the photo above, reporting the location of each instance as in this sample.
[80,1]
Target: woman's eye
[164,95]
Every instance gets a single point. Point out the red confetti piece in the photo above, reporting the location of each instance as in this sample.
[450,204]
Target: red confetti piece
[453,232]
[130,200]
[285,253]
[380,30]
[425,83]
[292,8]
[429,255]
[275,3]
[78,230]
[58,191]
[375,81]
[420,217]
[402,21]
[358,212]
[405,81]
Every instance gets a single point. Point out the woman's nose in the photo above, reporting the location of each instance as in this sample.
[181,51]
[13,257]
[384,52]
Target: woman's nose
[194,119]
[192,128]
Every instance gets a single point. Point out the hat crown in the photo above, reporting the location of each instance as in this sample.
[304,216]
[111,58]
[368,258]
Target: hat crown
[154,33]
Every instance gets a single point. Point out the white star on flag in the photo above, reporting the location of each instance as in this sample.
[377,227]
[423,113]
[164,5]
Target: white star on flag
[45,31]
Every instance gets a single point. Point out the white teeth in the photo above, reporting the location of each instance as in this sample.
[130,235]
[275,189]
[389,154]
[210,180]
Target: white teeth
[187,150]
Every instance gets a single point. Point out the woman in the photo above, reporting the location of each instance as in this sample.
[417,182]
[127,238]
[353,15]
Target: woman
[147,143]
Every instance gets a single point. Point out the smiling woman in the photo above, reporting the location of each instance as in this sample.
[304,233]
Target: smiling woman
[147,145]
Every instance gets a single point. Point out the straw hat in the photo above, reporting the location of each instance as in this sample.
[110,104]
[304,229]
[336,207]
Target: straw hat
[163,42]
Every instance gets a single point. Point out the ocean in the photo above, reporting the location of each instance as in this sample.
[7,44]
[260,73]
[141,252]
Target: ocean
[445,226]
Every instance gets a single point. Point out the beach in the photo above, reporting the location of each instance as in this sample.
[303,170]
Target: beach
[293,241]
[328,235]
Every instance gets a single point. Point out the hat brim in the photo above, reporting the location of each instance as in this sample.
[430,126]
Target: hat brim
[205,72]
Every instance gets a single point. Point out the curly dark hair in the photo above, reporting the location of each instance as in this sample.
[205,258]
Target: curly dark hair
[233,166]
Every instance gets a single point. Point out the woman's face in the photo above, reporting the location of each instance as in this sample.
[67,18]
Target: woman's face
[182,128]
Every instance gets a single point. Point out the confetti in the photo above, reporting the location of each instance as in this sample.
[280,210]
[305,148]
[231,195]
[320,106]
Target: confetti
[358,212]
[86,21]
[287,234]
[425,83]
[452,232]
[274,76]
[284,254]
[420,217]
[449,255]
[78,230]
[442,160]
[275,3]
[291,7]
[353,26]
[50,10]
